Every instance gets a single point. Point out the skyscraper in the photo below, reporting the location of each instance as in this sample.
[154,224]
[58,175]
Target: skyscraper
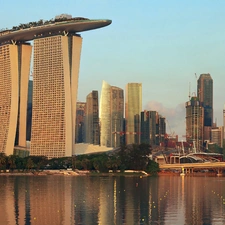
[160,129]
[205,96]
[14,76]
[80,118]
[57,48]
[194,123]
[153,128]
[148,127]
[217,136]
[133,107]
[92,119]
[111,115]
[55,82]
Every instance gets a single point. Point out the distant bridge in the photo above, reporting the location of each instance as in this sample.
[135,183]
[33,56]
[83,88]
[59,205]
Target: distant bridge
[191,167]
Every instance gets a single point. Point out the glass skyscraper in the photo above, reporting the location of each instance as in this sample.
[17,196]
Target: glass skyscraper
[205,96]
[111,115]
[92,119]
[133,108]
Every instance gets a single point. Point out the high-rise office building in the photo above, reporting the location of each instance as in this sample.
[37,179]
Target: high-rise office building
[194,123]
[92,119]
[160,130]
[205,96]
[14,75]
[217,136]
[57,48]
[111,115]
[153,128]
[133,108]
[148,127]
[80,118]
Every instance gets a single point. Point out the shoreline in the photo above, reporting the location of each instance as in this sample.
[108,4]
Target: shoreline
[72,173]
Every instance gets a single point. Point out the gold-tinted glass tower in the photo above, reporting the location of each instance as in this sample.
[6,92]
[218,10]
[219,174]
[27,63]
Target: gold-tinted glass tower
[55,82]
[133,108]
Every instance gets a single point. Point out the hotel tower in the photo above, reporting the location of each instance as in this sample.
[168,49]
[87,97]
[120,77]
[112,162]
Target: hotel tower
[14,75]
[57,49]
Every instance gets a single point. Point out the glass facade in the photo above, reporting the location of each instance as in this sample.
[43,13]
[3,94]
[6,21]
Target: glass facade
[111,115]
[92,119]
[133,108]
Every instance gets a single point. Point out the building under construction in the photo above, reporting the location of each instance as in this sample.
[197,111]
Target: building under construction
[194,123]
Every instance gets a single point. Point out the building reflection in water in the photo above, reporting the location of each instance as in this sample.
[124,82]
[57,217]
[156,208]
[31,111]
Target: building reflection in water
[64,200]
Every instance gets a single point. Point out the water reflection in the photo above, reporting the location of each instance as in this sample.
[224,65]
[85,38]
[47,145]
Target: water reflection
[45,200]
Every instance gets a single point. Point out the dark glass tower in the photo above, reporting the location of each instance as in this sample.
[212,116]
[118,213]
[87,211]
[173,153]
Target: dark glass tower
[80,117]
[205,96]
[92,131]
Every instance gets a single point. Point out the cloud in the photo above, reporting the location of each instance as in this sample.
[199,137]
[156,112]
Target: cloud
[175,117]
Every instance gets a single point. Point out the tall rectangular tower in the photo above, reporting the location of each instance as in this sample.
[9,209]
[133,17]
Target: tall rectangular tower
[205,96]
[194,123]
[14,76]
[149,127]
[133,107]
[80,117]
[92,119]
[55,82]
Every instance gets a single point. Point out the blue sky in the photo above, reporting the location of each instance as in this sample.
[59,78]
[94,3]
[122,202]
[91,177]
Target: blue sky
[159,43]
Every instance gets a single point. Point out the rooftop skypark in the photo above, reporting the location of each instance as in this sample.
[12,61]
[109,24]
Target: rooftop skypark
[61,25]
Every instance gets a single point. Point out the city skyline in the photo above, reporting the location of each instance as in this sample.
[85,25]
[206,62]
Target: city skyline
[170,42]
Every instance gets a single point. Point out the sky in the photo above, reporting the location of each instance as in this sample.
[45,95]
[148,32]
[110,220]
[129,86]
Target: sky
[159,43]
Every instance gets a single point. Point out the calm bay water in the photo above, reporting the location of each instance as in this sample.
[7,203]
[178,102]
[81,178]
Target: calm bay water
[84,200]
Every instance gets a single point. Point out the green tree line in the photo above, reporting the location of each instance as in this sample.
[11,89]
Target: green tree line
[131,157]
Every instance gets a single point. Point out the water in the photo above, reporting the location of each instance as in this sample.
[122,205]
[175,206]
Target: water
[84,200]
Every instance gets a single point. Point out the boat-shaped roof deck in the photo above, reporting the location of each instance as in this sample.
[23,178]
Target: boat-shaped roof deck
[31,31]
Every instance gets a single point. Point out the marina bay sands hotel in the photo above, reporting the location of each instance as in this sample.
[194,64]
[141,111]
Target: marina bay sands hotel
[56,59]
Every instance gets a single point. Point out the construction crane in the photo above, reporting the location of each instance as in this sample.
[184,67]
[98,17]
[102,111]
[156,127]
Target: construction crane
[172,133]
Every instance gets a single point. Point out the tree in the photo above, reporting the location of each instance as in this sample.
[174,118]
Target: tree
[113,162]
[152,167]
[12,162]
[29,164]
[3,161]
[86,163]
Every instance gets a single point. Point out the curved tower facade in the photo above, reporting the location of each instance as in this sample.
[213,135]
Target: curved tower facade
[111,115]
